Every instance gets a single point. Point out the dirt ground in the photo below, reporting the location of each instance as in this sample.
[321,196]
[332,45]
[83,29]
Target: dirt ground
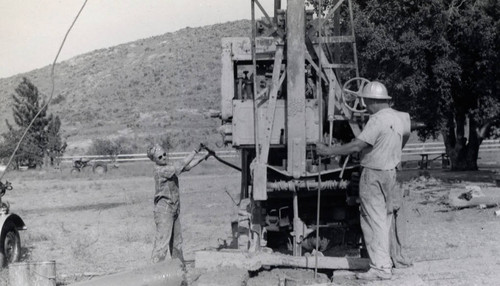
[95,225]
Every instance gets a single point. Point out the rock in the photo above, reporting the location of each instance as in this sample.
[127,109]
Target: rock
[487,196]
[475,191]
[471,192]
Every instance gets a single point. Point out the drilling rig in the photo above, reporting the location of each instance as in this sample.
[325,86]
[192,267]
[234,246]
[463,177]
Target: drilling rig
[293,83]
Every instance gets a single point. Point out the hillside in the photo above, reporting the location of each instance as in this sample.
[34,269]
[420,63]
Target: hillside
[150,88]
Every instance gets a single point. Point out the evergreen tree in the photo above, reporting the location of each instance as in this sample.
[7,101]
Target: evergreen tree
[55,146]
[43,137]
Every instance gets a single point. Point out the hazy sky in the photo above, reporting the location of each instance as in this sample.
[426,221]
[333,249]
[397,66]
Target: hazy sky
[31,31]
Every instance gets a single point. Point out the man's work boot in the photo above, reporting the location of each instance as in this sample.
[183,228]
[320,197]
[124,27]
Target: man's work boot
[374,274]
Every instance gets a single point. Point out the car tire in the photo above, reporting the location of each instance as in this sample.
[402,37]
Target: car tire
[10,244]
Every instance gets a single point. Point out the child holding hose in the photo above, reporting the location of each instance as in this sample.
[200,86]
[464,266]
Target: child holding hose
[168,237]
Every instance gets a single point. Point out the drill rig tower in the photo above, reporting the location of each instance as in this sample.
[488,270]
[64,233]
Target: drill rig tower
[293,83]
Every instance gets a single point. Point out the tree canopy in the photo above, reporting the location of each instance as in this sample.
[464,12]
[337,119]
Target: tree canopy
[439,60]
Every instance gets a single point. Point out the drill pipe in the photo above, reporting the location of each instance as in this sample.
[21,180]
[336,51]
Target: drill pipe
[168,272]
[308,185]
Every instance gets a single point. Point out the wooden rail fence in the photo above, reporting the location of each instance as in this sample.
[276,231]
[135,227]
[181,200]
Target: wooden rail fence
[143,156]
[437,148]
[437,151]
[423,150]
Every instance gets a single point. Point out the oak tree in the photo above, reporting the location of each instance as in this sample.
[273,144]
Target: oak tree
[439,60]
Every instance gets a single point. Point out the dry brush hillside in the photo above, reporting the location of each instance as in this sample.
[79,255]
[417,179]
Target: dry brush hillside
[163,85]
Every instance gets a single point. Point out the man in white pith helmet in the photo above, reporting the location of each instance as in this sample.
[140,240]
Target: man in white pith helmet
[380,143]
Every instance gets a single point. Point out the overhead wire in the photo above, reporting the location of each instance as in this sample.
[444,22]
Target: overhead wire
[51,92]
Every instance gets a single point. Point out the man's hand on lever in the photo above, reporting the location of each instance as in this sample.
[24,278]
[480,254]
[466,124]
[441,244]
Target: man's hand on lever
[322,149]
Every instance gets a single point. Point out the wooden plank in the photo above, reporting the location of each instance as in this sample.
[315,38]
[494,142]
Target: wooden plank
[488,150]
[314,65]
[339,66]
[277,81]
[336,39]
[256,260]
[332,11]
[332,104]
[260,171]
[356,130]
[430,153]
[227,81]
[296,88]
[333,82]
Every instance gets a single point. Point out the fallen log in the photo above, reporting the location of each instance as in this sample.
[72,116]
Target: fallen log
[256,260]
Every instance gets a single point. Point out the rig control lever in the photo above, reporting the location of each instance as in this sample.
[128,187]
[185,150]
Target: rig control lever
[212,153]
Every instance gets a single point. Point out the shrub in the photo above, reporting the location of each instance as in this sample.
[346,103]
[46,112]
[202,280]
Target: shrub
[58,99]
[165,140]
[106,147]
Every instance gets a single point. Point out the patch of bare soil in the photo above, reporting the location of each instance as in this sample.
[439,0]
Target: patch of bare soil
[93,226]
[449,246]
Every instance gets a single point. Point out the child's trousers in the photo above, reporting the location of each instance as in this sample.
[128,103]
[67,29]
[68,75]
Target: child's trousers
[168,237]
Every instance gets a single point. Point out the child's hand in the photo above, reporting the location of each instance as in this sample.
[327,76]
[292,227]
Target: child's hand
[206,156]
[200,147]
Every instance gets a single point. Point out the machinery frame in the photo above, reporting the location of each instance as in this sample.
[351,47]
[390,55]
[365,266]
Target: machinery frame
[282,93]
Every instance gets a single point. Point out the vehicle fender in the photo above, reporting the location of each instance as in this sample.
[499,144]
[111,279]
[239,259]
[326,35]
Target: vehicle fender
[14,218]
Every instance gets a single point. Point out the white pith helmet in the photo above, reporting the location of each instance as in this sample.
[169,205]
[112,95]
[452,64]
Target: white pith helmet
[375,90]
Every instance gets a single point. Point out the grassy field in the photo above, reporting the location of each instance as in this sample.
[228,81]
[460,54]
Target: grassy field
[102,224]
